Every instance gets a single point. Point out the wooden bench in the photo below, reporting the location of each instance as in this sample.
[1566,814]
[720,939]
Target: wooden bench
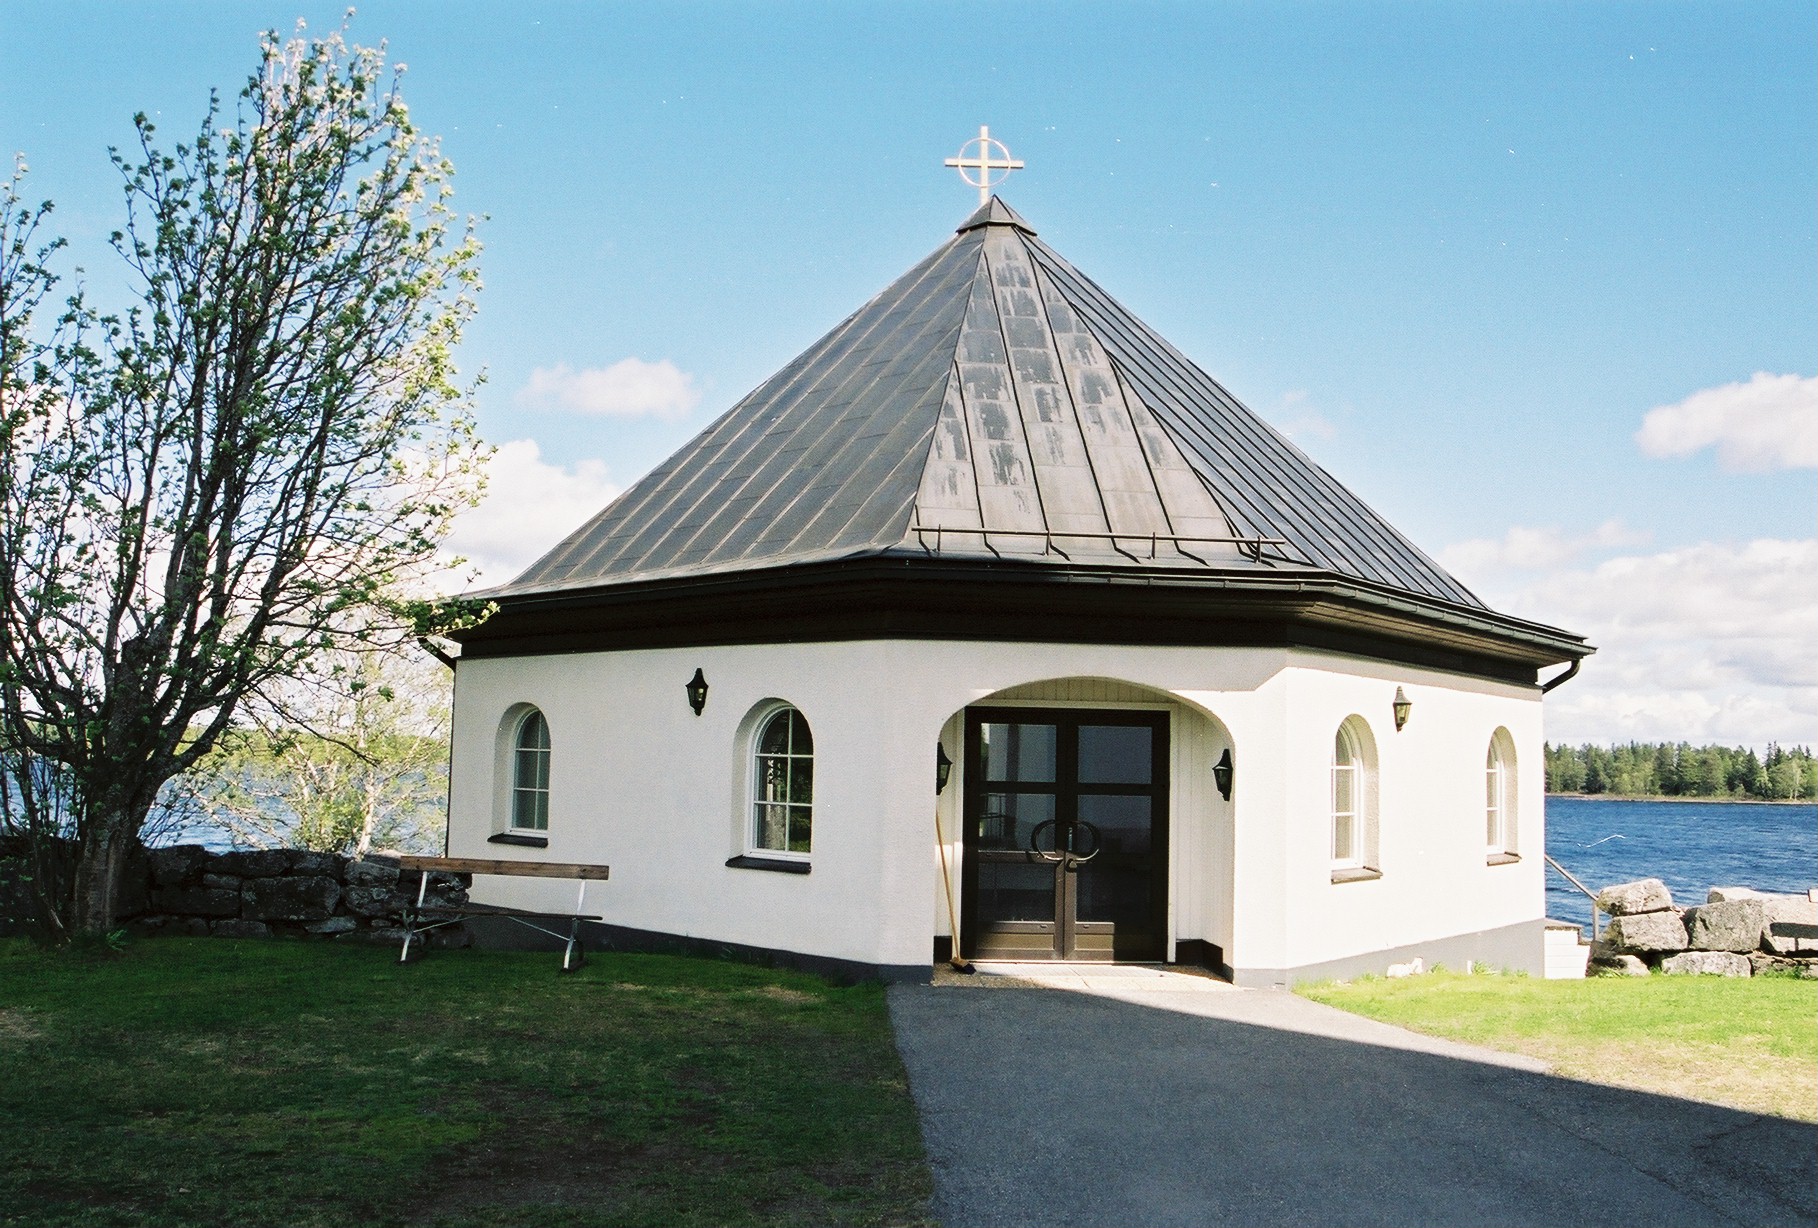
[424,917]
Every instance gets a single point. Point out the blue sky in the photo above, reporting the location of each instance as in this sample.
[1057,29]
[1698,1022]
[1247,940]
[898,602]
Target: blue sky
[1457,252]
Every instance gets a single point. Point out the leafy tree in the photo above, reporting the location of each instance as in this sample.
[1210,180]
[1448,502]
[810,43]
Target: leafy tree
[1596,770]
[253,463]
[1668,769]
[1664,776]
[1565,770]
[1706,775]
[371,770]
[1786,779]
[1745,776]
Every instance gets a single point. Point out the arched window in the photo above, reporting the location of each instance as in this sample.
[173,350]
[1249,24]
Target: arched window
[530,773]
[782,784]
[1347,767]
[1499,796]
[1353,802]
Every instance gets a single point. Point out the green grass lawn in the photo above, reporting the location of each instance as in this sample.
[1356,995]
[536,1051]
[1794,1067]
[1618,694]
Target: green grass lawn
[1748,1043]
[245,1083]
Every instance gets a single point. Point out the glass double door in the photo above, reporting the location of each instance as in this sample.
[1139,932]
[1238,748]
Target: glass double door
[1065,834]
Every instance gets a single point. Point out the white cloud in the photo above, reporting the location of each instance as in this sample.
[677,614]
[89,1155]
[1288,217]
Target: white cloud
[1710,643]
[530,505]
[630,387]
[1302,421]
[1771,422]
[1532,549]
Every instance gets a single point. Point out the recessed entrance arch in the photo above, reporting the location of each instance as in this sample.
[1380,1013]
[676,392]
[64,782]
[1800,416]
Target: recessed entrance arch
[1065,834]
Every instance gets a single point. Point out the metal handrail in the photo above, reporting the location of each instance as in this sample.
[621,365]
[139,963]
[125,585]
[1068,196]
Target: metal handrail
[1589,894]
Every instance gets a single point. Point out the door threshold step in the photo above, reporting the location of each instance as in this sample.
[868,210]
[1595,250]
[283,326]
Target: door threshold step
[1058,975]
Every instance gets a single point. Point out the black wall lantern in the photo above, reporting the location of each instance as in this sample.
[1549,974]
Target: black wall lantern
[697,691]
[1402,707]
[943,768]
[1222,772]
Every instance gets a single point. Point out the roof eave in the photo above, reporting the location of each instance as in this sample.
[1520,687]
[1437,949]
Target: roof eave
[1313,596]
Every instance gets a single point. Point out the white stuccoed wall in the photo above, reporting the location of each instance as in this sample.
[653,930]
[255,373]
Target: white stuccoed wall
[641,783]
[1430,775]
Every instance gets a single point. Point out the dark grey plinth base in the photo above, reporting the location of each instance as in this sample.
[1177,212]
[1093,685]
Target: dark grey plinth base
[492,933]
[1512,948]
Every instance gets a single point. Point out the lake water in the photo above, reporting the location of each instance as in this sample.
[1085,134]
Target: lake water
[1691,846]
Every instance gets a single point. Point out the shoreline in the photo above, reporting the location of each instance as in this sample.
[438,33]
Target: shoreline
[1681,798]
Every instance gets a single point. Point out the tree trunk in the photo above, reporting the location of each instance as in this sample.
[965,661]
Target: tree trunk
[100,867]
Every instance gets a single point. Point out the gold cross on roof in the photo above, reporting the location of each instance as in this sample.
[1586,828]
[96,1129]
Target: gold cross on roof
[984,163]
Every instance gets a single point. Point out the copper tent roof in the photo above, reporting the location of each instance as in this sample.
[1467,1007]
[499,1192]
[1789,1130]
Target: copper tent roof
[992,403]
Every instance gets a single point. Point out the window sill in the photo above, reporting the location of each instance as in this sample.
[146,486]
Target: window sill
[1502,859]
[521,838]
[776,865]
[1362,874]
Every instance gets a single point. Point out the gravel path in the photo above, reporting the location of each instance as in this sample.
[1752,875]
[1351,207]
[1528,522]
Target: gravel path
[1131,1096]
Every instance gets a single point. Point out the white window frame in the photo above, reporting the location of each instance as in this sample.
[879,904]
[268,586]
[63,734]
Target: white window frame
[1347,765]
[754,799]
[1353,756]
[535,789]
[1499,798]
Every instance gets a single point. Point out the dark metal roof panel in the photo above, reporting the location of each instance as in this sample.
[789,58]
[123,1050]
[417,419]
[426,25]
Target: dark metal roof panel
[1269,486]
[810,465]
[1062,420]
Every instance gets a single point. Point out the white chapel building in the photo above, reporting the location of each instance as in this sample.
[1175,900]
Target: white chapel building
[1184,697]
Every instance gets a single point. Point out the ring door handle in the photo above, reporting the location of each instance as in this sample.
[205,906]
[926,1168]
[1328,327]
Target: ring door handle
[1098,842]
[1035,839]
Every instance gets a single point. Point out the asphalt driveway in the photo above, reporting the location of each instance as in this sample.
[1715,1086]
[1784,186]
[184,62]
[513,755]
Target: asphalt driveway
[1158,1103]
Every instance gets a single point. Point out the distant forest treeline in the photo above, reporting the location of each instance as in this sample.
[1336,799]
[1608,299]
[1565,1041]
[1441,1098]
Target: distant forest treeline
[1663,769]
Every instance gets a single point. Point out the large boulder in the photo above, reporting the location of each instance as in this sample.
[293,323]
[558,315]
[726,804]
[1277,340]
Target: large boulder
[311,864]
[1648,931]
[1723,895]
[371,873]
[1727,925]
[197,901]
[176,866]
[449,890]
[332,926]
[1762,962]
[373,901]
[1642,896]
[1792,926]
[1707,963]
[251,863]
[1615,965]
[292,899]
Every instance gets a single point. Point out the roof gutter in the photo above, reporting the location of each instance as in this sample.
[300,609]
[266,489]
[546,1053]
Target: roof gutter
[429,646]
[1561,679]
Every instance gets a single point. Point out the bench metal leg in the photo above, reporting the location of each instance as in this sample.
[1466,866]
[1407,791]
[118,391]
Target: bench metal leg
[413,916]
[574,955]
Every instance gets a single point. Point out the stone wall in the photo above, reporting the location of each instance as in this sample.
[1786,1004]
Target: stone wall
[1735,932]
[186,889]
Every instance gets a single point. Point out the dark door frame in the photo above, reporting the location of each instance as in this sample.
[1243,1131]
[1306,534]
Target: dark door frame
[1067,789]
